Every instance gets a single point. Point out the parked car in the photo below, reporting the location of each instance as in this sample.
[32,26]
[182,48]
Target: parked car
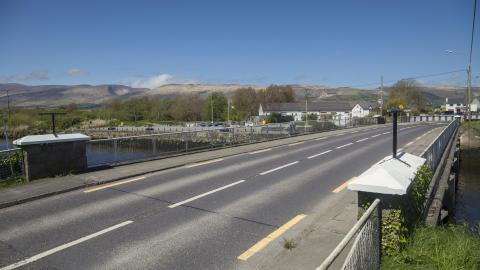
[149,129]
[111,128]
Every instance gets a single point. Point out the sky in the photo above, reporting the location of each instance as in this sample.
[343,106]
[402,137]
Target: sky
[150,43]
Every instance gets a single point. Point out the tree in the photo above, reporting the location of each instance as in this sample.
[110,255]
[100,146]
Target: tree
[219,107]
[187,108]
[276,94]
[245,102]
[406,93]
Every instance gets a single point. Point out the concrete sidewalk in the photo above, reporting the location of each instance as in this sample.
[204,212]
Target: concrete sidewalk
[318,235]
[51,186]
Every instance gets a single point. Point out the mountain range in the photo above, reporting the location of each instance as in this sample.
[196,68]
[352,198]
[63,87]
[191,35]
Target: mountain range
[95,95]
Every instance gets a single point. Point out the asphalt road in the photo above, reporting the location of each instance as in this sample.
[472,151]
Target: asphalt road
[201,216]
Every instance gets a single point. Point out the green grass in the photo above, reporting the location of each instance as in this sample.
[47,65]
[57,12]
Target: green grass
[452,247]
[472,124]
[13,182]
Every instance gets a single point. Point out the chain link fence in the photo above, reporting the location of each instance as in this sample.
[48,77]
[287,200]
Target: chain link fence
[122,150]
[11,164]
[365,248]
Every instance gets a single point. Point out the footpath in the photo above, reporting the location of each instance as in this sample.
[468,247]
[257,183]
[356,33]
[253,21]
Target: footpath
[42,188]
[318,234]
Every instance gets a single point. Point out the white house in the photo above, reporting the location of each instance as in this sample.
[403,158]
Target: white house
[454,105]
[361,110]
[475,105]
[296,110]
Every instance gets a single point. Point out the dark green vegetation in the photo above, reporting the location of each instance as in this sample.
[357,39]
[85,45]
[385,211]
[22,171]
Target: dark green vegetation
[408,244]
[450,247]
[407,94]
[472,124]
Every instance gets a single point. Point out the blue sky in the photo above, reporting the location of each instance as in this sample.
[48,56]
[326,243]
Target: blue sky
[147,43]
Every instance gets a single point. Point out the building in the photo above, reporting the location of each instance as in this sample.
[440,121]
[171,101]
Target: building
[454,105]
[475,105]
[297,109]
[361,110]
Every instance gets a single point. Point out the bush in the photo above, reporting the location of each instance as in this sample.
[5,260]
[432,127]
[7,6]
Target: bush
[451,247]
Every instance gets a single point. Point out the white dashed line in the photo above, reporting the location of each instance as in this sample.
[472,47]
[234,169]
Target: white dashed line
[345,145]
[362,140]
[278,168]
[323,153]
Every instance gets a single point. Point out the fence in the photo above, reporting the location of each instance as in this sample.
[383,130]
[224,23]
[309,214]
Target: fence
[440,118]
[365,251]
[366,248]
[127,149]
[11,164]
[435,150]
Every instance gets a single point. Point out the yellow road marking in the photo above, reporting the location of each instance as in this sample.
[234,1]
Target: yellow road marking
[344,185]
[272,236]
[292,144]
[260,151]
[203,163]
[114,184]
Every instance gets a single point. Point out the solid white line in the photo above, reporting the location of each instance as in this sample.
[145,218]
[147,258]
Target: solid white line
[321,138]
[345,145]
[328,151]
[203,163]
[205,194]
[362,140]
[278,168]
[260,151]
[376,135]
[64,246]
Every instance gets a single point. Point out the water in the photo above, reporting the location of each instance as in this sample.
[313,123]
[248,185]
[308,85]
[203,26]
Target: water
[468,192]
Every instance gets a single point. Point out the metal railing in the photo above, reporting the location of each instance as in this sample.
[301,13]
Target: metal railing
[365,250]
[121,150]
[433,153]
[11,164]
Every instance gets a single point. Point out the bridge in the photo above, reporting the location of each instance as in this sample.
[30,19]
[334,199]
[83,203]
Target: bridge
[274,204]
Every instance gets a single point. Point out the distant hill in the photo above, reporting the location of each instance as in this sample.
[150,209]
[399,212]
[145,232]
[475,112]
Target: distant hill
[95,95]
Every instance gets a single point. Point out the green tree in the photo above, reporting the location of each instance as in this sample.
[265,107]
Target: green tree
[220,104]
[276,94]
[407,93]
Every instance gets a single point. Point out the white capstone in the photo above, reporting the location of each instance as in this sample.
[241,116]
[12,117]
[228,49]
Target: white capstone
[389,176]
[50,138]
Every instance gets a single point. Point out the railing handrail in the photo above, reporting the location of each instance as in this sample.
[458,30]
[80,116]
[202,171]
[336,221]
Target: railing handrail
[10,150]
[348,237]
[438,137]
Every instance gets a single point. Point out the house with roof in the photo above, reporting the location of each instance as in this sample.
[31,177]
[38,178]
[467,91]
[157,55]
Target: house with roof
[297,109]
[361,110]
[454,105]
[475,105]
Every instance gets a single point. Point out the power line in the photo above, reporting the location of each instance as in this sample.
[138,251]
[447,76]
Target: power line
[407,78]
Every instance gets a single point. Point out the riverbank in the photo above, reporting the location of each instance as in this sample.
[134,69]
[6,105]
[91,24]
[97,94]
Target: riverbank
[468,191]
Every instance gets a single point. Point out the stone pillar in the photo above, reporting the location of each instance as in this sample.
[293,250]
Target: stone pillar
[52,155]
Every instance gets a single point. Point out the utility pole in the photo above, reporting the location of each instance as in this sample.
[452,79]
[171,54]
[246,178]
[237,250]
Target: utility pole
[228,112]
[381,95]
[211,105]
[469,92]
[306,110]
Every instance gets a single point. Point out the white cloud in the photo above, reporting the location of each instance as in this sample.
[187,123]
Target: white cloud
[77,72]
[36,75]
[157,81]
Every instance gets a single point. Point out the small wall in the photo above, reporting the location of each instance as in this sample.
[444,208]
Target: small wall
[52,159]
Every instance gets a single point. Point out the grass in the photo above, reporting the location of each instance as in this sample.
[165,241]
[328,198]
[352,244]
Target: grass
[472,124]
[13,182]
[450,247]
[289,244]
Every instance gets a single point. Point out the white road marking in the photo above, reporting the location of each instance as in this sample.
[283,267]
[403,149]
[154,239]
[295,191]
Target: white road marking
[362,140]
[323,153]
[408,144]
[203,163]
[260,151]
[64,246]
[205,194]
[278,168]
[345,145]
[321,138]
[386,132]
[376,135]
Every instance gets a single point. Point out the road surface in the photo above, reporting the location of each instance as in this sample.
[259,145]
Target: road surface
[210,215]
